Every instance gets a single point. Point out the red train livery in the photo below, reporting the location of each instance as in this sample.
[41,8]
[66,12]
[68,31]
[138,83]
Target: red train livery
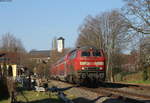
[85,63]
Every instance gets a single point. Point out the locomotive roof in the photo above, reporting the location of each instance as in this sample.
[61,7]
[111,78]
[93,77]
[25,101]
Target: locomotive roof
[87,48]
[83,48]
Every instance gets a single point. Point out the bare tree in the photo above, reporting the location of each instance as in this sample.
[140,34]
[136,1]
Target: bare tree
[11,44]
[137,13]
[108,31]
[90,33]
[144,51]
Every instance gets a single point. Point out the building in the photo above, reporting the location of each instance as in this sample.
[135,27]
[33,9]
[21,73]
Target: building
[60,44]
[130,62]
[10,60]
[40,56]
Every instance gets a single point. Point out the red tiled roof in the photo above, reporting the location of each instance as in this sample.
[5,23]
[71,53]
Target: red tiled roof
[10,57]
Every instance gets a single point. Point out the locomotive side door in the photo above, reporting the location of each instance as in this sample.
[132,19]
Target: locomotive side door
[65,67]
[66,64]
[72,62]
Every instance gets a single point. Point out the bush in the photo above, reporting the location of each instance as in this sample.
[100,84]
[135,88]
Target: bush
[148,73]
[145,74]
[118,77]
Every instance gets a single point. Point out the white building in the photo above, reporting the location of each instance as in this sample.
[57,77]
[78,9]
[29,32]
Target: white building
[60,44]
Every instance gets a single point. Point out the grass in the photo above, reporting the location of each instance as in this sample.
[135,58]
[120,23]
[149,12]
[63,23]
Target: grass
[35,97]
[4,101]
[140,82]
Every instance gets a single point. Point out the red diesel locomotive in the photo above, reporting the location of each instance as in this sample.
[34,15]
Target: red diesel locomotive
[80,65]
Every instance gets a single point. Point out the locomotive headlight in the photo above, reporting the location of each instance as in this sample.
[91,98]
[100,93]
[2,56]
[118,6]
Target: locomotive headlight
[99,63]
[100,68]
[82,68]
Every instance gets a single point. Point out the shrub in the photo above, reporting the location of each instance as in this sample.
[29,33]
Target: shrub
[145,74]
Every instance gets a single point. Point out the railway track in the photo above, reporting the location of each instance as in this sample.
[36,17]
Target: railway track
[129,85]
[115,91]
[124,95]
[125,92]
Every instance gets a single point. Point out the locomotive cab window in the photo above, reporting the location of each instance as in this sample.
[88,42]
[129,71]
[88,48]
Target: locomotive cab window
[85,53]
[73,55]
[96,53]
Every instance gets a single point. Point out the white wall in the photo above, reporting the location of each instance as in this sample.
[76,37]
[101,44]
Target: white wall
[60,45]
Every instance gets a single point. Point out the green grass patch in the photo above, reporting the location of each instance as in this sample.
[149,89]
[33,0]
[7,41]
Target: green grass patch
[36,97]
[140,82]
[4,101]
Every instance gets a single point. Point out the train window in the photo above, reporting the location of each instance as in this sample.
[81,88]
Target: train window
[85,53]
[96,53]
[73,55]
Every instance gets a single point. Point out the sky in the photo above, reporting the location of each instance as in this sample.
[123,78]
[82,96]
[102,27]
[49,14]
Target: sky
[37,22]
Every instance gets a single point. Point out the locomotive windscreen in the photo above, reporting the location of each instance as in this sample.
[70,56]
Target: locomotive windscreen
[96,53]
[92,53]
[85,53]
